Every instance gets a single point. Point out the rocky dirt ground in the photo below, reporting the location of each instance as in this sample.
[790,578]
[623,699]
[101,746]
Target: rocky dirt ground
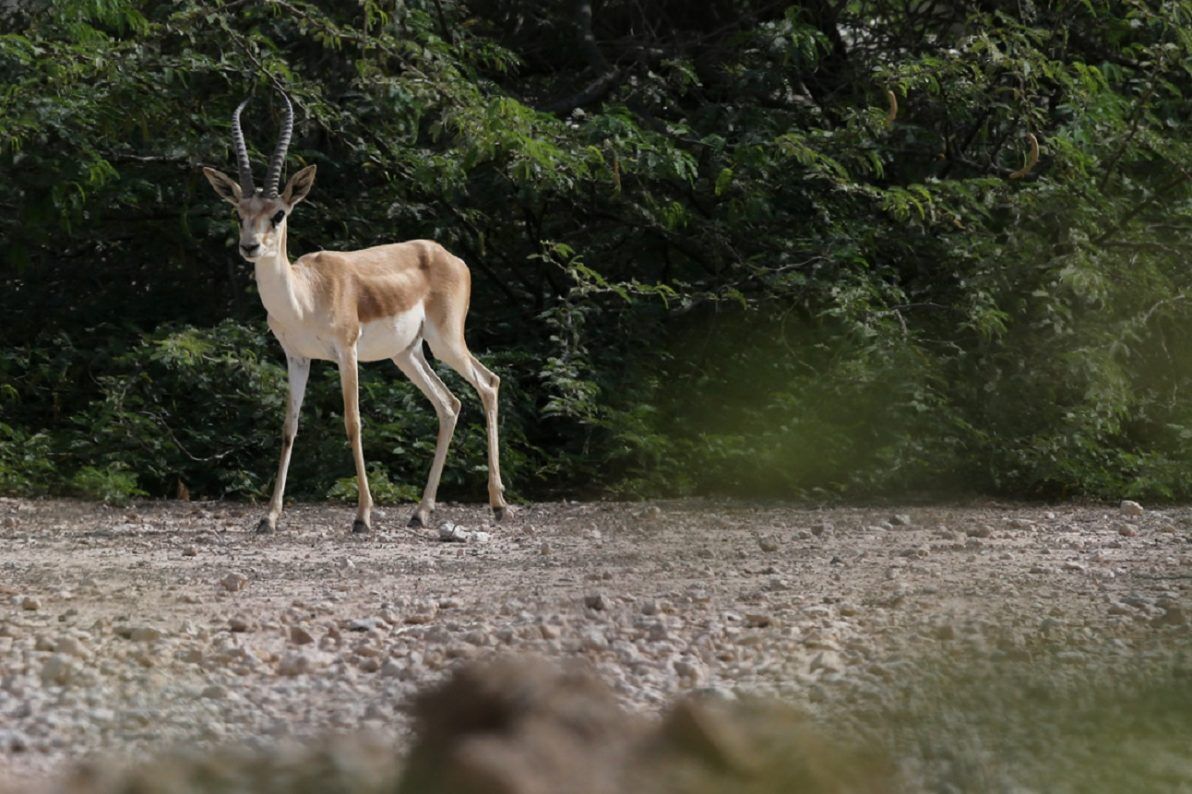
[128,630]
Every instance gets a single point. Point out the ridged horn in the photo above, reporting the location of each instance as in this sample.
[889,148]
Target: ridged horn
[273,175]
[242,163]
[1032,158]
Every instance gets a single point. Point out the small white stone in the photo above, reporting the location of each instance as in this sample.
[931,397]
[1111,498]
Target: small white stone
[294,663]
[595,640]
[1131,509]
[453,533]
[828,661]
[58,670]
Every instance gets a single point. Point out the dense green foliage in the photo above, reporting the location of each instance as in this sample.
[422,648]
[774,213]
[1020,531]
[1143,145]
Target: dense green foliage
[705,259]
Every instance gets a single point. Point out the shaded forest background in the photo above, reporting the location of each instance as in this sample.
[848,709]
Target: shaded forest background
[708,256]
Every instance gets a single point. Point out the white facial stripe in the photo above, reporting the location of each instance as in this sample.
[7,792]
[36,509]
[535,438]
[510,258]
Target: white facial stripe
[256,216]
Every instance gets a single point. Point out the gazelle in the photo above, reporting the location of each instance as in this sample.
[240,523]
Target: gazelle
[351,306]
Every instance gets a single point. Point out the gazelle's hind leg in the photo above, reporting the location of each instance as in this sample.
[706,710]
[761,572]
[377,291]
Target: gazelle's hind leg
[450,348]
[413,363]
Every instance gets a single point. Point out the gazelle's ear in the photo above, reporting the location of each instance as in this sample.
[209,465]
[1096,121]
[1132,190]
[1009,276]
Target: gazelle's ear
[299,185]
[226,188]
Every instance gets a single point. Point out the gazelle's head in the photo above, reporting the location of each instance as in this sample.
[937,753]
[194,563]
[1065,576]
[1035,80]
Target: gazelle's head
[262,212]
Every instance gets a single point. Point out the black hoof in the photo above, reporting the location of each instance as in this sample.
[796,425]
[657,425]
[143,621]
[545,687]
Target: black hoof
[359,527]
[415,522]
[265,528]
[499,513]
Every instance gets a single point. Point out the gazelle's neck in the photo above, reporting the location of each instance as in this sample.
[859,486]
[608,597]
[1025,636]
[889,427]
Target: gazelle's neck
[280,291]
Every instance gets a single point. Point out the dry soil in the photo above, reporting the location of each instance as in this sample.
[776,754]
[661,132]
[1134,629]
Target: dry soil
[125,630]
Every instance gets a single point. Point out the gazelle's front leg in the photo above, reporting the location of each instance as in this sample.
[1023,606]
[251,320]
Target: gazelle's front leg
[349,379]
[299,371]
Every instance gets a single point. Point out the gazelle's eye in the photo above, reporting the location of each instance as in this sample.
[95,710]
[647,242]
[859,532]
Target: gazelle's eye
[278,217]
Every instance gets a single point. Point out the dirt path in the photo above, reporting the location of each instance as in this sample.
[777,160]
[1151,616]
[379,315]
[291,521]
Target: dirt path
[130,629]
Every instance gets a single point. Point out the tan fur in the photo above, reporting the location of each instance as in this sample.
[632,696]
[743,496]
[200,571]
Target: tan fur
[379,282]
[348,306]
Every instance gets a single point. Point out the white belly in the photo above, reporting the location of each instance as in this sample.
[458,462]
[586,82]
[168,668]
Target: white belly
[379,339]
[385,338]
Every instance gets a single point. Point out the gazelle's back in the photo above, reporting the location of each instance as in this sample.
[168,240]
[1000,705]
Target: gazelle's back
[385,281]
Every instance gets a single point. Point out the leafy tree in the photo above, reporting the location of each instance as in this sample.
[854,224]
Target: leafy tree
[731,247]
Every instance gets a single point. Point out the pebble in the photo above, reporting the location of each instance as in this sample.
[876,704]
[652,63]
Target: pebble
[657,631]
[478,637]
[594,640]
[452,533]
[144,634]
[233,582]
[980,531]
[1172,616]
[767,544]
[238,624]
[691,669]
[900,520]
[30,604]
[58,670]
[828,661]
[300,636]
[13,741]
[293,663]
[944,631]
[596,601]
[71,646]
[1131,509]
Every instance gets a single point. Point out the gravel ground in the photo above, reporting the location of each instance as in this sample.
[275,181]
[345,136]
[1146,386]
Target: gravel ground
[165,624]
